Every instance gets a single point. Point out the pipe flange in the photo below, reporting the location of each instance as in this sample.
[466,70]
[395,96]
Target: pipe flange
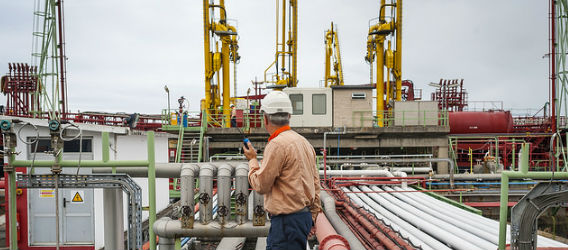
[186,210]
[204,198]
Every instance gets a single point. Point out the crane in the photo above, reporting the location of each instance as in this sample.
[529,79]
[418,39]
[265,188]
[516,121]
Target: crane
[386,29]
[218,62]
[285,59]
[332,51]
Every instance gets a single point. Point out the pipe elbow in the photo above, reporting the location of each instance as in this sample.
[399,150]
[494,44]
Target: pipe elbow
[207,170]
[189,169]
[242,170]
[224,170]
[161,227]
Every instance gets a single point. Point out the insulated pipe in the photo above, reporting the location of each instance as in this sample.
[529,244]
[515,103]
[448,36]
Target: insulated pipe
[461,223]
[258,213]
[206,173]
[231,243]
[113,219]
[404,181]
[166,244]
[413,234]
[187,194]
[327,236]
[166,227]
[404,160]
[371,242]
[444,231]
[338,224]
[411,169]
[377,172]
[224,173]
[261,243]
[242,193]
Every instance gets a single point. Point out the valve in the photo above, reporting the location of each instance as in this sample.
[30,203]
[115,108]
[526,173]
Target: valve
[53,125]
[5,125]
[241,199]
[204,198]
[259,216]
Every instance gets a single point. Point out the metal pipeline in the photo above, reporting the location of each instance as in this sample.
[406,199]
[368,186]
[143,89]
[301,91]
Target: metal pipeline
[403,160]
[493,238]
[242,193]
[261,243]
[167,244]
[327,236]
[231,243]
[206,173]
[412,233]
[378,172]
[168,228]
[224,173]
[371,242]
[442,230]
[187,188]
[258,213]
[404,181]
[338,224]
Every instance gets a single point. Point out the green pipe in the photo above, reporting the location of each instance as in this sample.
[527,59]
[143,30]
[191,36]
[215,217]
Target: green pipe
[151,189]
[13,209]
[524,168]
[12,198]
[106,153]
[505,176]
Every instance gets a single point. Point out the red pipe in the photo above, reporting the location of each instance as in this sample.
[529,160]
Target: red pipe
[327,236]
[372,229]
[386,229]
[362,234]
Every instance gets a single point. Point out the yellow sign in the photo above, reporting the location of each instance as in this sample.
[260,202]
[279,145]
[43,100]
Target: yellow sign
[77,197]
[46,193]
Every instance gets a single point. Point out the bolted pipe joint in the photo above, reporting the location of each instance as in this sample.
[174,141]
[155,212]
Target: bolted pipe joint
[241,196]
[187,176]
[206,173]
[224,173]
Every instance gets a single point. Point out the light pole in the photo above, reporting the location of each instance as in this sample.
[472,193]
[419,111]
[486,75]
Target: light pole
[169,113]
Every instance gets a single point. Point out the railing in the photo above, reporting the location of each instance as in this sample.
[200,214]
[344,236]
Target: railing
[246,118]
[400,118]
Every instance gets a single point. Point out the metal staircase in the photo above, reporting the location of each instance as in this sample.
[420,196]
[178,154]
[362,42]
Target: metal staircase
[190,147]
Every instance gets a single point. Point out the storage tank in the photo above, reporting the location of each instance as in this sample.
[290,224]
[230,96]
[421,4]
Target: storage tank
[480,122]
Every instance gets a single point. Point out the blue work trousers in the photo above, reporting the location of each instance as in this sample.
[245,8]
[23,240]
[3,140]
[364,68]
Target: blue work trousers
[289,231]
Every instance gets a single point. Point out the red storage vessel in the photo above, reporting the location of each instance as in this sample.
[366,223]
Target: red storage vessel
[480,122]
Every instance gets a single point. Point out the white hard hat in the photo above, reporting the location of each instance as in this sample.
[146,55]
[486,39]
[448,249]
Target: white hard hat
[276,102]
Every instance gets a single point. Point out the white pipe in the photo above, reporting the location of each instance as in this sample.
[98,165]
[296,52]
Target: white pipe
[490,225]
[187,194]
[404,181]
[166,244]
[206,173]
[462,223]
[168,228]
[260,243]
[431,226]
[231,243]
[413,234]
[377,172]
[224,173]
[242,193]
[411,169]
[332,133]
[337,223]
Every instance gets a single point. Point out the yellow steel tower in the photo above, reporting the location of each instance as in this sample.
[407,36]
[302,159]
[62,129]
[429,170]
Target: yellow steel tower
[388,28]
[285,60]
[216,61]
[332,51]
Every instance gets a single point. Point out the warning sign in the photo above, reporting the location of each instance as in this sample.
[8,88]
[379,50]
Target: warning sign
[46,193]
[78,197]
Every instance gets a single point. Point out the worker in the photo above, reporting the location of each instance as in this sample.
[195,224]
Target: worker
[288,177]
[233,116]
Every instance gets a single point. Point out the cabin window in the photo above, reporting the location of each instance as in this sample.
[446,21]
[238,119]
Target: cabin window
[44,145]
[319,104]
[297,104]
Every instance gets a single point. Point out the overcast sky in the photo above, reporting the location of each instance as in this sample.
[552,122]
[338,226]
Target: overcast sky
[122,53]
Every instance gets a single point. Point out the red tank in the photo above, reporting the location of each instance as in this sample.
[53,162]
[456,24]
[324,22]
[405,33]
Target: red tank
[480,122]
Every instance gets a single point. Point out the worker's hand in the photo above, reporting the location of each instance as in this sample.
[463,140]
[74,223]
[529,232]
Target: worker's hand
[250,153]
